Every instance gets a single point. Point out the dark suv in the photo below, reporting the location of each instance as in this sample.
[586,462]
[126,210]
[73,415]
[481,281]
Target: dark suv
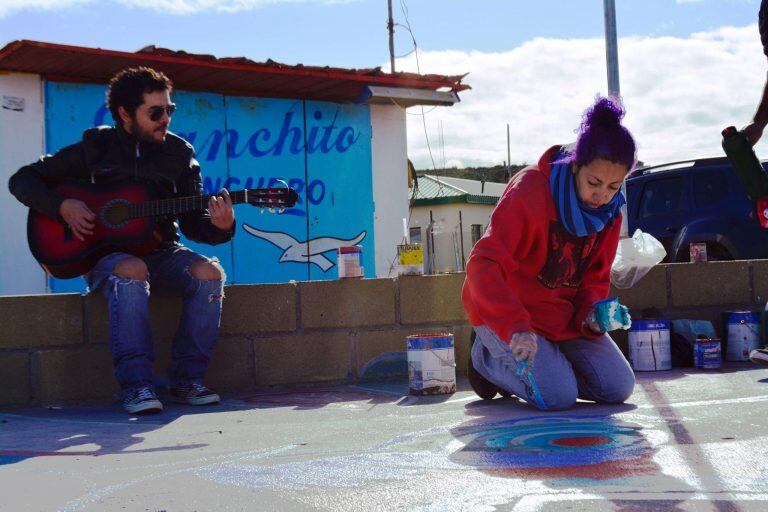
[697,201]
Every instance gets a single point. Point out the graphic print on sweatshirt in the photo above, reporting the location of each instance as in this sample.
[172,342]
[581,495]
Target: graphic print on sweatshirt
[568,256]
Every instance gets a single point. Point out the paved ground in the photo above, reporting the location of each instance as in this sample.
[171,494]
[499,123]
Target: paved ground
[689,440]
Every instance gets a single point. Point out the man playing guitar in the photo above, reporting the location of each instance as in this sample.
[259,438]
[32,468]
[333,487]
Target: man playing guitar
[140,148]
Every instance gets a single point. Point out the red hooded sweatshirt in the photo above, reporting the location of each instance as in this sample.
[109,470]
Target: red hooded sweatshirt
[527,273]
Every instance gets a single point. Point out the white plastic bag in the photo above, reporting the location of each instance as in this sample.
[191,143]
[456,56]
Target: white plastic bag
[635,257]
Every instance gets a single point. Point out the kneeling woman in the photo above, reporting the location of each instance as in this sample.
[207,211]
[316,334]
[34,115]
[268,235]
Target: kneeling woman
[543,262]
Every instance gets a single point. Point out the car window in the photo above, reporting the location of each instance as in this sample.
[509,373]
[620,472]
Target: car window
[709,188]
[661,196]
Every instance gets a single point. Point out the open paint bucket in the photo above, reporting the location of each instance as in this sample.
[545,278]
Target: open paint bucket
[431,364]
[743,334]
[649,346]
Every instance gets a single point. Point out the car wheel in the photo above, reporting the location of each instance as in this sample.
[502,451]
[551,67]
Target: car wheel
[716,252]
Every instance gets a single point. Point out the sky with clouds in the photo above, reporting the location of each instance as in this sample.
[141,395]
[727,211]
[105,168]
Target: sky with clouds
[688,68]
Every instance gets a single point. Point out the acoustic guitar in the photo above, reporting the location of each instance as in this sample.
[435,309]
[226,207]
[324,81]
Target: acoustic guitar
[125,221]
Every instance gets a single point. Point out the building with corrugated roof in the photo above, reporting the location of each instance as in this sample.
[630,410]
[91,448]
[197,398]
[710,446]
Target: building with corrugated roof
[448,215]
[337,136]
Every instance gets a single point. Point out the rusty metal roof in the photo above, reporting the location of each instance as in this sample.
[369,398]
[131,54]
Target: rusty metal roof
[229,75]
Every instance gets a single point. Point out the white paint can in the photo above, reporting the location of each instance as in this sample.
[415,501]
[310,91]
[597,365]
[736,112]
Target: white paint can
[431,364]
[349,262]
[649,345]
[743,334]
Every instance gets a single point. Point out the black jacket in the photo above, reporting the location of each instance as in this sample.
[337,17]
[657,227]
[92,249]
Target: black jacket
[110,155]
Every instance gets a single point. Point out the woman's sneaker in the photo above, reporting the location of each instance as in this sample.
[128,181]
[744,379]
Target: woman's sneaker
[141,401]
[194,394]
[759,356]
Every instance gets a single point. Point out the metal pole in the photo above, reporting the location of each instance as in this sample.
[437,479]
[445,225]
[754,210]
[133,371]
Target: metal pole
[391,28]
[509,161]
[611,47]
[461,235]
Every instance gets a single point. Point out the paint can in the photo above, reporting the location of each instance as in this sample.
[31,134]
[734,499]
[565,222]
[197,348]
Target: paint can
[410,259]
[348,260]
[649,345]
[743,334]
[698,251]
[707,354]
[431,364]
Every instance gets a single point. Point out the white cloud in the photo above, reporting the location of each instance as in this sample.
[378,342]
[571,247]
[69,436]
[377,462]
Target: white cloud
[166,6]
[679,94]
[9,6]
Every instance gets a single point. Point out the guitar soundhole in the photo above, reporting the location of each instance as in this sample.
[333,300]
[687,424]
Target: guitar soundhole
[115,213]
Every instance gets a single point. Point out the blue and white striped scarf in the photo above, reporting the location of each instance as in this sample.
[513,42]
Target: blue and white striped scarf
[578,218]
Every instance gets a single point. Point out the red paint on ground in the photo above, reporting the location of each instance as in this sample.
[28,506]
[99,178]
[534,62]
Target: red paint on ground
[581,441]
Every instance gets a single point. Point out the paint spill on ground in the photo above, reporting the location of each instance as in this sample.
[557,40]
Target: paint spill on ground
[554,443]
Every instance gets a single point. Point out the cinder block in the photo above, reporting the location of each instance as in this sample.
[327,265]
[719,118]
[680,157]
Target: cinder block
[649,292]
[41,320]
[299,358]
[232,367]
[431,299]
[710,283]
[259,308]
[164,314]
[760,280]
[15,383]
[75,373]
[347,303]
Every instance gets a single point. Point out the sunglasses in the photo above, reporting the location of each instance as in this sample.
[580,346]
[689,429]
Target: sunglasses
[156,112]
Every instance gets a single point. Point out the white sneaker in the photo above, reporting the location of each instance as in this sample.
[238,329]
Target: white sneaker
[759,356]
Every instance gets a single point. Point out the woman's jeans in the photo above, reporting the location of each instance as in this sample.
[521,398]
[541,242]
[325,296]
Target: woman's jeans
[593,370]
[130,336]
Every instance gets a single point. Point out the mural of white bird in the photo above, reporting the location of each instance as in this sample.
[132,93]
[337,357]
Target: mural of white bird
[301,252]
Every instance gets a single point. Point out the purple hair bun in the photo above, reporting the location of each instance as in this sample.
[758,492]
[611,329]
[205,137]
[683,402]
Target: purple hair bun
[605,113]
[601,135]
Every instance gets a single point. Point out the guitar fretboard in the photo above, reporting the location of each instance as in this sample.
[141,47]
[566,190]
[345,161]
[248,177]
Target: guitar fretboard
[179,205]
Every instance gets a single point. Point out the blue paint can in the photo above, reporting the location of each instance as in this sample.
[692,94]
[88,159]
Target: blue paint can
[649,345]
[706,353]
[743,334]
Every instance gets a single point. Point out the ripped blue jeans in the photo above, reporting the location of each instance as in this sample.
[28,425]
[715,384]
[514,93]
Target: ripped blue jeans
[130,335]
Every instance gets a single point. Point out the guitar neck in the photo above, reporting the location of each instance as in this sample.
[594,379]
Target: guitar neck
[179,205]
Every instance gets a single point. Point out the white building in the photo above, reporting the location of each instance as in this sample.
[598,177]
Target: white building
[337,136]
[448,215]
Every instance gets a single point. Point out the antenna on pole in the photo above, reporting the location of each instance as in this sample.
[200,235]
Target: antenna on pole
[611,47]
[391,29]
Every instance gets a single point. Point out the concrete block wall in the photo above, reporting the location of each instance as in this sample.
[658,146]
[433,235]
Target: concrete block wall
[55,348]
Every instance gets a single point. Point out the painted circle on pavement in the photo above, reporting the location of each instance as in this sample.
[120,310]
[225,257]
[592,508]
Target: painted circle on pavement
[552,441]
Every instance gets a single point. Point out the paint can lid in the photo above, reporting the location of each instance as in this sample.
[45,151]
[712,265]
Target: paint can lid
[348,250]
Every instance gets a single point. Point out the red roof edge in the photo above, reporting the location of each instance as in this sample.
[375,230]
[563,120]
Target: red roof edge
[398,80]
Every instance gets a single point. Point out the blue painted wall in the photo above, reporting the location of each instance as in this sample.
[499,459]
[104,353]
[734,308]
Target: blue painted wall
[323,150]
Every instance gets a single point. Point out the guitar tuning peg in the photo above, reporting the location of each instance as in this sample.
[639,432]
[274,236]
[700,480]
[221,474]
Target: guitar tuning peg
[281,209]
[261,209]
[271,209]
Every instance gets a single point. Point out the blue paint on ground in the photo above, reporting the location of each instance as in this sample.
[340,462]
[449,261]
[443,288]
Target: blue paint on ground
[386,366]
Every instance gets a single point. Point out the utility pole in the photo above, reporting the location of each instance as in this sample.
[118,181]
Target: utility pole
[509,161]
[391,28]
[611,47]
